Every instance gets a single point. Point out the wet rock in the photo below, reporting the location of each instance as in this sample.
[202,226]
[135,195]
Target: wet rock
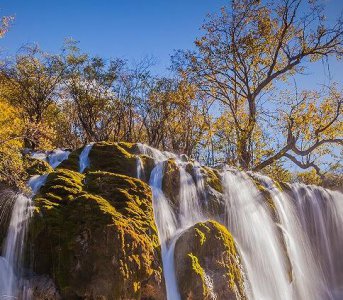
[41,288]
[171,182]
[207,264]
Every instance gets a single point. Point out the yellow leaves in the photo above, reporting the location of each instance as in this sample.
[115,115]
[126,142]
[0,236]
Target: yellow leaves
[5,23]
[11,126]
[11,143]
[309,177]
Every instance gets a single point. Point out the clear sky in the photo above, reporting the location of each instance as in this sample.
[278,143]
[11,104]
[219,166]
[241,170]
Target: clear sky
[128,29]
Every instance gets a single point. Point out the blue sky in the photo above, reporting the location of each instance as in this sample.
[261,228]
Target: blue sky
[128,29]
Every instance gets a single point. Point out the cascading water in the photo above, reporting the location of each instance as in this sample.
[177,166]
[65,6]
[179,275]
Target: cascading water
[12,286]
[13,249]
[36,181]
[167,228]
[290,244]
[84,159]
[248,220]
[57,156]
[296,257]
[320,213]
[308,280]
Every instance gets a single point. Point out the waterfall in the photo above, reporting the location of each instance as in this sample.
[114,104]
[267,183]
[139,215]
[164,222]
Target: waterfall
[84,159]
[54,158]
[169,226]
[308,279]
[13,249]
[166,224]
[140,169]
[290,248]
[57,156]
[289,239]
[321,216]
[248,220]
[36,181]
[12,284]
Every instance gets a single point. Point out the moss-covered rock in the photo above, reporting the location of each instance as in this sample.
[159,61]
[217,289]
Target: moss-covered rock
[171,181]
[94,233]
[131,148]
[72,163]
[110,157]
[207,263]
[212,178]
[148,165]
[36,166]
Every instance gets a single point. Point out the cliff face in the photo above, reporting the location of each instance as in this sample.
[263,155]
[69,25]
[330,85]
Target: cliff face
[94,234]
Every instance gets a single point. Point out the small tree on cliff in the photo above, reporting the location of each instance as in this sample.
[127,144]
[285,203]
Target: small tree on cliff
[245,52]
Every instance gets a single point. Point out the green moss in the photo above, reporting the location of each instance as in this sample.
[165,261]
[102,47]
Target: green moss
[131,148]
[197,269]
[208,247]
[212,178]
[36,166]
[110,157]
[72,163]
[96,223]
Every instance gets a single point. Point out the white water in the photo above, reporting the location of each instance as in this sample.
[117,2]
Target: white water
[308,279]
[36,181]
[84,159]
[54,158]
[321,215]
[140,169]
[169,226]
[248,220]
[57,156]
[11,283]
[306,241]
[13,249]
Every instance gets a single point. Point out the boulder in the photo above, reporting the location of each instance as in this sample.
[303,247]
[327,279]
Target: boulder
[94,234]
[207,264]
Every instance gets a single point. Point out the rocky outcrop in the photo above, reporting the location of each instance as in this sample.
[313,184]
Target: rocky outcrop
[207,264]
[94,234]
[171,182]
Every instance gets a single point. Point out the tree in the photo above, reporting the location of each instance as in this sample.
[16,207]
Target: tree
[246,51]
[5,23]
[31,82]
[90,87]
[171,115]
[312,126]
[11,143]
